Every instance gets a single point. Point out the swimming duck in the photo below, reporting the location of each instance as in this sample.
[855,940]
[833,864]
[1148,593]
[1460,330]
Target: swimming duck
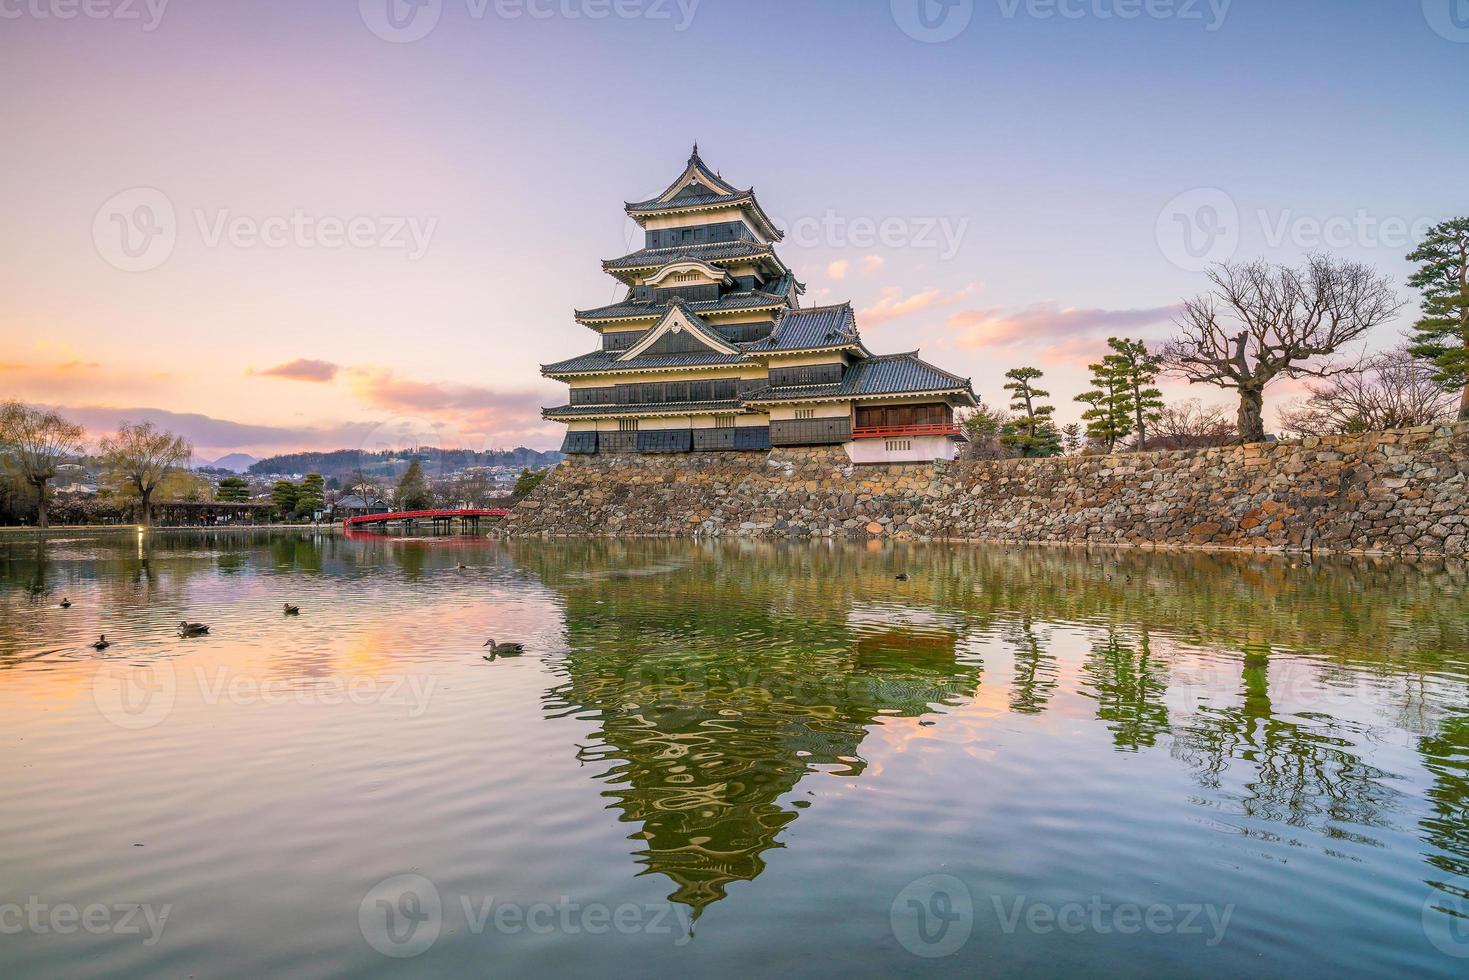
[101,643]
[901,576]
[65,603]
[290,610]
[192,629]
[505,649]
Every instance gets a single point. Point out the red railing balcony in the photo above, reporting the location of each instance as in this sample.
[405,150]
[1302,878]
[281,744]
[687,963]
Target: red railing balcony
[896,431]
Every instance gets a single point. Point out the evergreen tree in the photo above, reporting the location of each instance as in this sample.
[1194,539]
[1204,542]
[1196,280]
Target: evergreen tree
[1071,441]
[413,492]
[1441,335]
[283,496]
[1108,418]
[1135,372]
[312,496]
[233,490]
[1032,432]
[527,482]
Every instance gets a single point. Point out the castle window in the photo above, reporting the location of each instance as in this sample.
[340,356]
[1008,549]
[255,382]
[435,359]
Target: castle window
[805,413]
[724,421]
[899,445]
[627,425]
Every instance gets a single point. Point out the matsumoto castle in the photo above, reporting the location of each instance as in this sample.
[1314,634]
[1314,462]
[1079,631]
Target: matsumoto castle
[710,349]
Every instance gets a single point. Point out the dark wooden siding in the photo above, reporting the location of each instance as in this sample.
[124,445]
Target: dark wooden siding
[810,432]
[810,374]
[933,414]
[749,437]
[724,231]
[579,443]
[621,340]
[665,441]
[617,442]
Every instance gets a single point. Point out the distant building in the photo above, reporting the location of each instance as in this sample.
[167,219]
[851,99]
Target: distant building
[709,349]
[355,505]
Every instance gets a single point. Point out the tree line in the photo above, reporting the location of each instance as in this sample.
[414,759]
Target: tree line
[1256,324]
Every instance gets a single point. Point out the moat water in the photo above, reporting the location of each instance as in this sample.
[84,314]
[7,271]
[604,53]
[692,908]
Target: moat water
[734,759]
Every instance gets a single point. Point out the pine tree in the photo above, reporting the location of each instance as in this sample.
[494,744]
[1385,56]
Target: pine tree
[283,496]
[1135,372]
[1441,335]
[1032,432]
[312,495]
[413,492]
[1071,441]
[1108,419]
[233,490]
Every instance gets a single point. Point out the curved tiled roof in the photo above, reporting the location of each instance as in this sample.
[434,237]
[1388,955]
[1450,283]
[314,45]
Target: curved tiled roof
[814,328]
[647,258]
[886,374]
[774,294]
[606,361]
[660,408]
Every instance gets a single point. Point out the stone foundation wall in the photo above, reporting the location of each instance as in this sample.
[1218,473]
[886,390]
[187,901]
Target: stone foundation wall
[1401,492]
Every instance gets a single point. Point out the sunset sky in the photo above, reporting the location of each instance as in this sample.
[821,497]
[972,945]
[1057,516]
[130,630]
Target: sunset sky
[280,225]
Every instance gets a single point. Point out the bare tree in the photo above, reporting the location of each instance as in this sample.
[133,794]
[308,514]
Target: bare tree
[1394,391]
[143,455]
[1191,424]
[1262,321]
[982,426]
[33,443]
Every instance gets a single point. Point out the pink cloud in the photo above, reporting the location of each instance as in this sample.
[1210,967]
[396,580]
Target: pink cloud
[302,369]
[1049,323]
[871,263]
[838,269]
[894,304]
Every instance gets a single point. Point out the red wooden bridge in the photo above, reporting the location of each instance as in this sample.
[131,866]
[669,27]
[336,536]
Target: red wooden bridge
[446,517]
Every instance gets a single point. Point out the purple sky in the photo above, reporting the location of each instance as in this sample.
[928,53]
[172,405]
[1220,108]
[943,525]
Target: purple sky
[280,225]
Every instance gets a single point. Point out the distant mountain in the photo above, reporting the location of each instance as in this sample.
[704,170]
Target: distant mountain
[344,463]
[235,462]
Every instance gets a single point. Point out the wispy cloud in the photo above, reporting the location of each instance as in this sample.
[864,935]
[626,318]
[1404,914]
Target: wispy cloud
[894,304]
[1050,323]
[871,263]
[301,369]
[838,269]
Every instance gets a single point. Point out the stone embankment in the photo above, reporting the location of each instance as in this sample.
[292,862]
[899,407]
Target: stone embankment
[1397,492]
